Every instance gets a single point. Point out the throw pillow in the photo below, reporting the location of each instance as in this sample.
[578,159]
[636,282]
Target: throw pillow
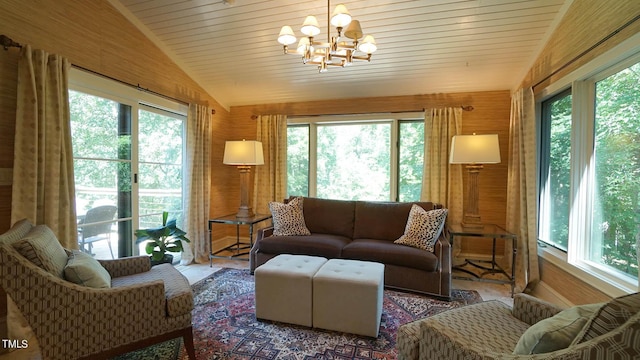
[41,247]
[84,270]
[556,332]
[423,228]
[610,316]
[288,219]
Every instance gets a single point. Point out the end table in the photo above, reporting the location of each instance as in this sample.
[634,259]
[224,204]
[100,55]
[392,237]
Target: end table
[486,231]
[232,219]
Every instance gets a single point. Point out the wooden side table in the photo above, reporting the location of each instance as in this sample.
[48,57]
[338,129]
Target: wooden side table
[235,248]
[486,231]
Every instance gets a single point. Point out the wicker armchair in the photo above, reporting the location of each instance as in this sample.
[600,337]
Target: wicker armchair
[491,330]
[144,305]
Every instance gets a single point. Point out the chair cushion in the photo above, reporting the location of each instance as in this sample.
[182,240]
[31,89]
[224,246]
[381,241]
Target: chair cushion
[41,247]
[176,287]
[17,232]
[423,228]
[556,332]
[84,270]
[288,219]
[610,316]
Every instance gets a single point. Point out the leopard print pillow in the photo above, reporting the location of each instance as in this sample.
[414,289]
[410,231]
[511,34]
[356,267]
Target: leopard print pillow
[288,219]
[423,228]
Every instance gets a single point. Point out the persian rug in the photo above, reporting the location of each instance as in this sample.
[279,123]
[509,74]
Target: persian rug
[225,326]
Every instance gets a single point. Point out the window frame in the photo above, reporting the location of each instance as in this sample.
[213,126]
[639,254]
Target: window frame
[582,83]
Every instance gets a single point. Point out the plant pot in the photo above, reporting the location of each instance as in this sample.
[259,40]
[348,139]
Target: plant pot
[167,259]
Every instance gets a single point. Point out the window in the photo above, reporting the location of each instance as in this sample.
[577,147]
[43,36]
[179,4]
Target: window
[590,174]
[128,150]
[354,159]
[556,161]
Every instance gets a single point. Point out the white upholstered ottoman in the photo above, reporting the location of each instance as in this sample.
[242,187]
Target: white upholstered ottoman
[347,296]
[284,288]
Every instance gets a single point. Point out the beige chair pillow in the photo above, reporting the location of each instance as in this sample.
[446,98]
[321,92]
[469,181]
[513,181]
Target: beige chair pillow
[288,219]
[423,228]
[556,332]
[84,270]
[41,247]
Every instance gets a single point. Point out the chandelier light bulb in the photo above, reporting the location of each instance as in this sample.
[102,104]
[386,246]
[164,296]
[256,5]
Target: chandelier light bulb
[341,16]
[368,45]
[310,26]
[286,36]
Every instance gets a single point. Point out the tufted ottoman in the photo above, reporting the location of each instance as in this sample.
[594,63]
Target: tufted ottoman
[284,288]
[347,296]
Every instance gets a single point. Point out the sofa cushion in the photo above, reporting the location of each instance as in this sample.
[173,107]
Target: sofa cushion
[389,253]
[288,219]
[556,332]
[325,216]
[382,220]
[423,228]
[177,290]
[83,269]
[325,245]
[41,247]
[610,316]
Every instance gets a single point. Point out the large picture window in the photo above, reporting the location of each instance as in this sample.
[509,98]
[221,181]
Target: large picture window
[590,173]
[365,159]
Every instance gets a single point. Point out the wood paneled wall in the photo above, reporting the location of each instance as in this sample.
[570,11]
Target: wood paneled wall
[586,23]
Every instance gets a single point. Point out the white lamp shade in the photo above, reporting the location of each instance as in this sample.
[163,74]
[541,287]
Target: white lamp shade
[245,152]
[354,31]
[286,36]
[340,16]
[310,26]
[368,45]
[475,149]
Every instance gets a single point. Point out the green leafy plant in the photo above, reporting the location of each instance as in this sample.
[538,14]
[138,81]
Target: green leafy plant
[161,240]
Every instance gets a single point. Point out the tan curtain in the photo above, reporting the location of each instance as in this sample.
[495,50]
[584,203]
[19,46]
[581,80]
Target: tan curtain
[199,140]
[270,181]
[441,182]
[43,183]
[521,188]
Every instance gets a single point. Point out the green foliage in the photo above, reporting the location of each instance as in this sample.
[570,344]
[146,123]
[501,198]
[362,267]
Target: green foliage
[163,239]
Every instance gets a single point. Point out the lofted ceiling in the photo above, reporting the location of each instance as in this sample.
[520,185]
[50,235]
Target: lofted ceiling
[424,46]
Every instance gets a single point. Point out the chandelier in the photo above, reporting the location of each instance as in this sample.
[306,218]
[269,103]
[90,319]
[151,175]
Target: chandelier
[337,51]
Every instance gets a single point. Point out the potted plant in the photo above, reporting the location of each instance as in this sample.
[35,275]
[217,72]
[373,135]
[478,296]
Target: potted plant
[160,240]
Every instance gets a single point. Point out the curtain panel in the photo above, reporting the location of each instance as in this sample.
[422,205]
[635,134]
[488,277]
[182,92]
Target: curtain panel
[199,139]
[270,181]
[521,188]
[43,181]
[441,182]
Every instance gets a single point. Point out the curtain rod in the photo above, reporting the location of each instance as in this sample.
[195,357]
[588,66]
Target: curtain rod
[7,42]
[463,107]
[616,31]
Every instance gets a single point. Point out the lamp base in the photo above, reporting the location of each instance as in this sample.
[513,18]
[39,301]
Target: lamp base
[244,212]
[472,222]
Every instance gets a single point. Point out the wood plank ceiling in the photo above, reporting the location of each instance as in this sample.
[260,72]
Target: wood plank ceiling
[424,46]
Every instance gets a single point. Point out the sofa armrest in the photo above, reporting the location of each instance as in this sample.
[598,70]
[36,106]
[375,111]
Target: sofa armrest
[253,253]
[126,266]
[442,250]
[530,310]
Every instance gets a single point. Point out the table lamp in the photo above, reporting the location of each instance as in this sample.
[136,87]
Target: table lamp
[474,150]
[243,154]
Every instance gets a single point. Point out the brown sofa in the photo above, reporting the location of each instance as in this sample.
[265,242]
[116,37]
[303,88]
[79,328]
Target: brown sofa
[364,230]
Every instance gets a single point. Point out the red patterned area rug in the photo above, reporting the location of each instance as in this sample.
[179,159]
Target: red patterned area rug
[225,326]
